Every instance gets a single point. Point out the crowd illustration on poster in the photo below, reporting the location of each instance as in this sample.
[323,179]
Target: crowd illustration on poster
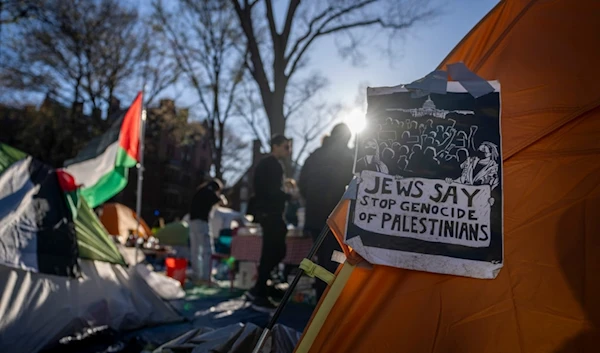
[410,147]
[430,182]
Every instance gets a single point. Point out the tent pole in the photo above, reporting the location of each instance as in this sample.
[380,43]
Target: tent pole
[140,181]
[289,291]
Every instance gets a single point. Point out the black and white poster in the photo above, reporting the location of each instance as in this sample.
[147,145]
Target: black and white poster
[429,191]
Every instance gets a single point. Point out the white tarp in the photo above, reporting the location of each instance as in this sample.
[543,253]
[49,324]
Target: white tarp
[166,287]
[221,218]
[37,309]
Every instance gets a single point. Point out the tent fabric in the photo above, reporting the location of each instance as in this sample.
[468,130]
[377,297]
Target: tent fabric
[38,309]
[41,201]
[174,234]
[166,287]
[544,299]
[9,155]
[118,219]
[177,233]
[36,224]
[92,238]
[235,338]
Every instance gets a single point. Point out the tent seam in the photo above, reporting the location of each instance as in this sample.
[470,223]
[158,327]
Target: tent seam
[512,299]
[547,131]
[583,302]
[576,153]
[437,328]
[502,35]
[547,211]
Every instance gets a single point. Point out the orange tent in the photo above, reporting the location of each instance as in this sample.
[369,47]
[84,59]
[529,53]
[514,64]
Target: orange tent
[545,299]
[119,219]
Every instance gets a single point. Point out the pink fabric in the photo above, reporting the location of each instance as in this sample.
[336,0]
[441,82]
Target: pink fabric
[248,248]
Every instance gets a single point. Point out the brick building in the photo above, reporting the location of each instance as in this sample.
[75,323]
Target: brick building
[177,158]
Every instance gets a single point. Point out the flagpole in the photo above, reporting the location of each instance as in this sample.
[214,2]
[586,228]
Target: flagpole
[140,181]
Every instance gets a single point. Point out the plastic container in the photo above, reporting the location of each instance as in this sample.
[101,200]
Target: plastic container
[176,268]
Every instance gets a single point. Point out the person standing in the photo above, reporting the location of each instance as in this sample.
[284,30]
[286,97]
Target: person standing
[323,180]
[268,206]
[206,197]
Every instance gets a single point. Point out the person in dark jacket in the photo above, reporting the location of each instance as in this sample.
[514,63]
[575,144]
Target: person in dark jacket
[268,206]
[323,180]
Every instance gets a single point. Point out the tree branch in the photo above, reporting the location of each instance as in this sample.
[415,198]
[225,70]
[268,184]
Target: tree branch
[258,69]
[313,131]
[232,91]
[272,26]
[247,110]
[184,61]
[318,33]
[309,88]
[289,19]
[308,32]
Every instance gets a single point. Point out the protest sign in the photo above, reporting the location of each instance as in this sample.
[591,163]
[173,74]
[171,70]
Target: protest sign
[429,195]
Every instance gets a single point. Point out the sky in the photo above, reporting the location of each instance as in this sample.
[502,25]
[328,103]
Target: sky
[418,52]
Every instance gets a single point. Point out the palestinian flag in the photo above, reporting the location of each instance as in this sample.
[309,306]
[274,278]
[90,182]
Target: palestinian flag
[101,167]
[37,232]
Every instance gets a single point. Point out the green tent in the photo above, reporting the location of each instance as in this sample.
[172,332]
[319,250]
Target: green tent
[93,240]
[174,234]
[9,155]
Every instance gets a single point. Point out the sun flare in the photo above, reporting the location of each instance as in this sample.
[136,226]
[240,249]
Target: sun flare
[355,119]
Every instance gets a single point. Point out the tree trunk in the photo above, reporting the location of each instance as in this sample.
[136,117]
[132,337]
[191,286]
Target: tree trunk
[218,164]
[275,112]
[216,148]
[277,122]
[219,154]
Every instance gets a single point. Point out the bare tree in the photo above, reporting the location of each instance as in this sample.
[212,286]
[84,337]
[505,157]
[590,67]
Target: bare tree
[205,44]
[77,51]
[80,54]
[236,156]
[250,110]
[313,116]
[158,71]
[12,11]
[309,130]
[278,50]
